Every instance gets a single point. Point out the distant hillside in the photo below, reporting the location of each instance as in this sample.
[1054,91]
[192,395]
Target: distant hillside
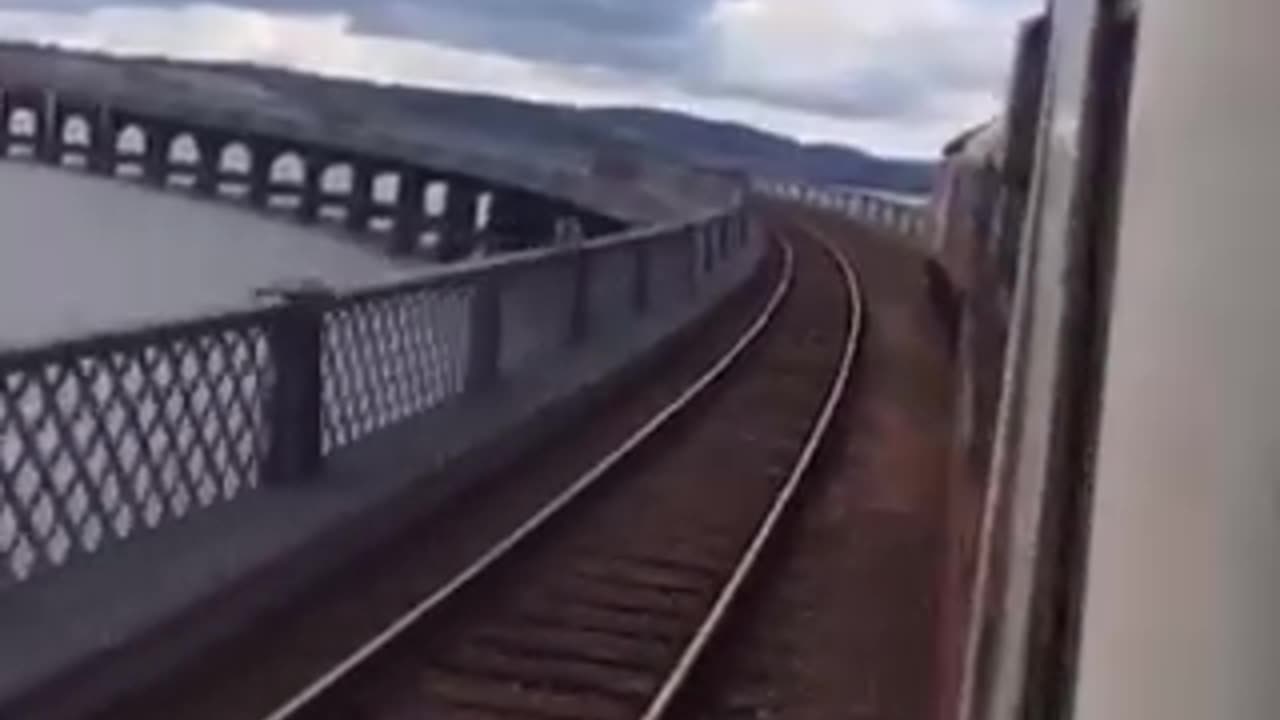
[653,143]
[733,146]
[566,131]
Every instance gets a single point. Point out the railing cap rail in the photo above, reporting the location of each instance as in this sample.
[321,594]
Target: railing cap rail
[460,273]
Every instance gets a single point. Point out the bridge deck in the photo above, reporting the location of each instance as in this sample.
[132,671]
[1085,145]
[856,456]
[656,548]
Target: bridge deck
[852,603]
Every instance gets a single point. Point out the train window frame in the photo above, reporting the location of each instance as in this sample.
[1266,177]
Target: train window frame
[1057,603]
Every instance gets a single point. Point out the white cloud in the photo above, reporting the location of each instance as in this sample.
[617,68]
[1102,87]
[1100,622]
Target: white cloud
[895,76]
[913,59]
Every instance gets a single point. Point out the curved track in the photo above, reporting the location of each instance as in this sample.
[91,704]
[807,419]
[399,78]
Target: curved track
[602,604]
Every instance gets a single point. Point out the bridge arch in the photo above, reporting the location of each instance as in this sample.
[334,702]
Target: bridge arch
[23,122]
[337,184]
[288,168]
[435,196]
[235,157]
[338,179]
[131,147]
[184,150]
[76,131]
[386,187]
[131,140]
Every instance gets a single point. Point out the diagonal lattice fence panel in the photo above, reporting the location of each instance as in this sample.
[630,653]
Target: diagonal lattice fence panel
[102,442]
[392,357]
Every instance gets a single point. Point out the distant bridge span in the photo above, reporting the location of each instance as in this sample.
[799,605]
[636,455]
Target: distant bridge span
[75,117]
[222,135]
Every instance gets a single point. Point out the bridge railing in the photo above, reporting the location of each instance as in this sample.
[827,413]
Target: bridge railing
[903,218]
[106,438]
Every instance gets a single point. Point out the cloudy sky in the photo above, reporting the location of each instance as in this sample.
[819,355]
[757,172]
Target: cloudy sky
[896,76]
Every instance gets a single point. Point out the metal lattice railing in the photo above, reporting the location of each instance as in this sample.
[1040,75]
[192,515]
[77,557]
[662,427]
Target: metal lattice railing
[99,442]
[390,358]
[106,438]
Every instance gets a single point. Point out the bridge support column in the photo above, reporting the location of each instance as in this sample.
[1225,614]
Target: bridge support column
[208,164]
[4,122]
[458,234]
[48,131]
[360,205]
[102,142]
[262,153]
[155,160]
[410,215]
[309,196]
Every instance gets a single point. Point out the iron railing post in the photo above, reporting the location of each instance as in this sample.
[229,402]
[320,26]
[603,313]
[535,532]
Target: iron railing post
[580,309]
[48,137]
[737,229]
[642,294]
[102,142]
[295,410]
[694,236]
[484,349]
[711,247]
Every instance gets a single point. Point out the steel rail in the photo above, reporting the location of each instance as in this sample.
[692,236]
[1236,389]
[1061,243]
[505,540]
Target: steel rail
[665,700]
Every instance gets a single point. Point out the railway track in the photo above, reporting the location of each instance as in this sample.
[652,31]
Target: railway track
[602,604]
